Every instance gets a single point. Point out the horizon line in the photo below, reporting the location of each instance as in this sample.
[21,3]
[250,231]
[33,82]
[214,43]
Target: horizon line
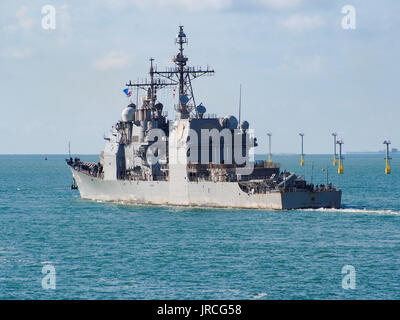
[98,154]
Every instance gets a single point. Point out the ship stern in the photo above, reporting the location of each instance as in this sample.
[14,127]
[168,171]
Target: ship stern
[312,200]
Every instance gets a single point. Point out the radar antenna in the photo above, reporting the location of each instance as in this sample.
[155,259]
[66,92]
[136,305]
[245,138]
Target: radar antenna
[183,76]
[151,86]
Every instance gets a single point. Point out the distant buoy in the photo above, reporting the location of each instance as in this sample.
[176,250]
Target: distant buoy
[340,169]
[388,169]
[302,153]
[334,149]
[269,134]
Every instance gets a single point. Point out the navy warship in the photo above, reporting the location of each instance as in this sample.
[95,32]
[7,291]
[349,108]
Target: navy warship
[196,159]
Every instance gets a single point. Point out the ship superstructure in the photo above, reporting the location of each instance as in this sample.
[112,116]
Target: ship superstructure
[197,159]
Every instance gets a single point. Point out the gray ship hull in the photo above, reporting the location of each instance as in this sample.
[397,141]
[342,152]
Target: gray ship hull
[204,194]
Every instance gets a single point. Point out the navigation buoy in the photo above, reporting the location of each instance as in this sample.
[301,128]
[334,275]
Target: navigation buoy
[388,169]
[334,149]
[302,154]
[340,169]
[269,134]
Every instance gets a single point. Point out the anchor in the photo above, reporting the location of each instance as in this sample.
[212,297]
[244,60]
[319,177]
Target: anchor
[74,186]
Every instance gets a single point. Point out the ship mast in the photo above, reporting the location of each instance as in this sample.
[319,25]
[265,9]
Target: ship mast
[180,75]
[180,60]
[151,86]
[183,76]
[153,89]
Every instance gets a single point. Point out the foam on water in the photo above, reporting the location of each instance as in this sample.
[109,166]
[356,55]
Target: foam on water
[260,295]
[355,210]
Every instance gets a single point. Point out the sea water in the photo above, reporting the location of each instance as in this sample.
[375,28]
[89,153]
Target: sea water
[117,251]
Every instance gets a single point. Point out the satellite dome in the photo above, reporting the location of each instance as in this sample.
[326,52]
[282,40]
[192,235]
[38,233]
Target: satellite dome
[181,34]
[128,114]
[132,105]
[244,125]
[184,99]
[232,122]
[201,109]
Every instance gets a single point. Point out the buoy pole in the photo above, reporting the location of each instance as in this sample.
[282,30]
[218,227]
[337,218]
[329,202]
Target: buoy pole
[334,149]
[269,134]
[302,154]
[388,168]
[340,169]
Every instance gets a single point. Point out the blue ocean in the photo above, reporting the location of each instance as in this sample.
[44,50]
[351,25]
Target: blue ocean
[119,251]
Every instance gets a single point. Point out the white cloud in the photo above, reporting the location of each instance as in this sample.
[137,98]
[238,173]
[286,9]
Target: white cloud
[24,20]
[302,23]
[15,53]
[196,5]
[64,18]
[306,65]
[202,5]
[35,126]
[11,28]
[112,60]
[115,3]
[279,4]
[187,5]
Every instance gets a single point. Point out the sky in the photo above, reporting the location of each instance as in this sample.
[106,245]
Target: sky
[300,70]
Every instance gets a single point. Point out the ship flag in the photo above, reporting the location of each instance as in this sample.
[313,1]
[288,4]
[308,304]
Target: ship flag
[127,92]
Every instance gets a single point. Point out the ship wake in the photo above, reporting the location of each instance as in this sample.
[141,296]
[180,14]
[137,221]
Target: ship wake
[346,209]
